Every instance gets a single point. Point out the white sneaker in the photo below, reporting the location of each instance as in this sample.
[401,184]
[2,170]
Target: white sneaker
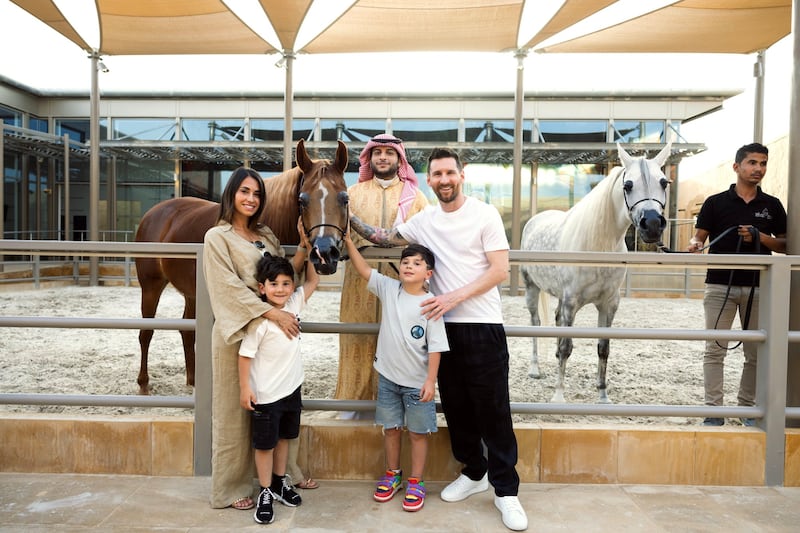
[514,516]
[463,487]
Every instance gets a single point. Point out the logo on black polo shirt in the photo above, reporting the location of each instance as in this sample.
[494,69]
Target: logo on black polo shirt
[764,213]
[417,332]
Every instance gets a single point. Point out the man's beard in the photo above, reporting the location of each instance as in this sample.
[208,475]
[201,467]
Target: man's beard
[446,200]
[387,175]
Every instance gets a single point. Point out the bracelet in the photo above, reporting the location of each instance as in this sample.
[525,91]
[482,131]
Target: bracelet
[303,249]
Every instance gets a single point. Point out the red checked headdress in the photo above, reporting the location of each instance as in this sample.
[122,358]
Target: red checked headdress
[404,171]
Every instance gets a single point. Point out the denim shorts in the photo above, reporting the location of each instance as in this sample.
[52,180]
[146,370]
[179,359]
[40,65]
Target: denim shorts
[399,406]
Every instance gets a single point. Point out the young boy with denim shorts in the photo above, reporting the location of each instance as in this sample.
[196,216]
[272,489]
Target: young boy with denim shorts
[270,377]
[407,361]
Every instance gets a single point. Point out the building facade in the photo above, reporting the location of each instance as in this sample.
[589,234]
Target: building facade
[155,147]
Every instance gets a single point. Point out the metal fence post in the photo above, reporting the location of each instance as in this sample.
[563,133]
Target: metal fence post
[36,271]
[204,321]
[773,318]
[128,262]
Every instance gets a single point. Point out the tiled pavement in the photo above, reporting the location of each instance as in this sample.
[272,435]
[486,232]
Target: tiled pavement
[84,503]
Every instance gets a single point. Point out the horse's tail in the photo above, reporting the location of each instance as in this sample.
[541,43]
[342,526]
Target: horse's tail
[544,309]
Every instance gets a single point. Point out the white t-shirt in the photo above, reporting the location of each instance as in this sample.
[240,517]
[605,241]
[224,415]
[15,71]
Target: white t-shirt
[459,241]
[406,336]
[277,367]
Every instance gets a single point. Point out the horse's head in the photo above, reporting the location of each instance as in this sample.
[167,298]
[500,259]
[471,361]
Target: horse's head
[644,188]
[323,205]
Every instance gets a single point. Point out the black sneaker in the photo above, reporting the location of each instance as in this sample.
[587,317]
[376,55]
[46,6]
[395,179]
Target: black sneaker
[264,513]
[285,493]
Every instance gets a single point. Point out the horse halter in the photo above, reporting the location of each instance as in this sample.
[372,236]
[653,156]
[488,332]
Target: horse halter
[627,188]
[342,198]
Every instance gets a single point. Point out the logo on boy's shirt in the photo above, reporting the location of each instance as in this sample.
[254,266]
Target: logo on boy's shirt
[417,332]
[764,213]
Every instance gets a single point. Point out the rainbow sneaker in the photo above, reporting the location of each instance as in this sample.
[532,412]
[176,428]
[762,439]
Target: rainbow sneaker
[415,495]
[388,485]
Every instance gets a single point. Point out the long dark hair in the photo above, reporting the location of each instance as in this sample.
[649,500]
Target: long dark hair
[227,206]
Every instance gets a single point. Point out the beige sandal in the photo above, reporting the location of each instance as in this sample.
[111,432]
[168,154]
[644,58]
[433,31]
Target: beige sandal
[308,484]
[244,504]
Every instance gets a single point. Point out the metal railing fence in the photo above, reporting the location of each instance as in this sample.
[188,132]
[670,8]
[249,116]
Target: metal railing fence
[773,338]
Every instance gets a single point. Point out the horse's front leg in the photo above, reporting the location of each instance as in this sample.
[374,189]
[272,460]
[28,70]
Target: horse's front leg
[605,316]
[532,294]
[602,364]
[188,338]
[564,317]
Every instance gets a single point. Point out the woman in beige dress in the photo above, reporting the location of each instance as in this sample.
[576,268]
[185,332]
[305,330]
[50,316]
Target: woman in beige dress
[232,249]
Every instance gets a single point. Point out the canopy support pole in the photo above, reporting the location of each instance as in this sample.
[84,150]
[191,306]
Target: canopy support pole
[758,115]
[94,166]
[792,236]
[288,99]
[516,225]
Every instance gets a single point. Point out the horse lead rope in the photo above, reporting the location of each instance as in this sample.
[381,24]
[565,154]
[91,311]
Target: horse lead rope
[757,242]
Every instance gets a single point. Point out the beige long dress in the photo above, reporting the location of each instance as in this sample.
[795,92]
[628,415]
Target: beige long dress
[376,206]
[229,264]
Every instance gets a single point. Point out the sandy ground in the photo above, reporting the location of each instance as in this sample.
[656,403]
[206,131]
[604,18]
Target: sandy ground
[84,361]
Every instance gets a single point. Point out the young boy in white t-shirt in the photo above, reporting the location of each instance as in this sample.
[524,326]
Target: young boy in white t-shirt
[270,376]
[407,360]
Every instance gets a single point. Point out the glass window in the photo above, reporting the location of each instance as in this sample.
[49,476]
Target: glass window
[10,117]
[78,130]
[351,130]
[494,184]
[205,180]
[491,131]
[561,186]
[212,129]
[633,131]
[271,129]
[426,130]
[140,185]
[37,124]
[143,129]
[573,131]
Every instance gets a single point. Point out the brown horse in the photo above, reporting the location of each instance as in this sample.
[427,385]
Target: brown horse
[314,188]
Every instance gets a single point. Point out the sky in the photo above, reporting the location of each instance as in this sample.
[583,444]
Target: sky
[50,62]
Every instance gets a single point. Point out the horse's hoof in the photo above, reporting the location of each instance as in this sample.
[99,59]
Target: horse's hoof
[534,373]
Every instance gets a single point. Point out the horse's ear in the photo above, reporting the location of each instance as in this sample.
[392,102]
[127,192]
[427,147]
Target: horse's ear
[301,156]
[341,157]
[663,155]
[624,156]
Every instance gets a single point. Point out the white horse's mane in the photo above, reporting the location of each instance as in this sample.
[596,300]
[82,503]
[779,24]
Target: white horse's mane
[592,223]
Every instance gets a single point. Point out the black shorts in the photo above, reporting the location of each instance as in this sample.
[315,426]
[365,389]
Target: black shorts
[277,420]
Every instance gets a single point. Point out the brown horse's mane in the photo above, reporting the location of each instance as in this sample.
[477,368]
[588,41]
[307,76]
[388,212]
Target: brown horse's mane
[281,211]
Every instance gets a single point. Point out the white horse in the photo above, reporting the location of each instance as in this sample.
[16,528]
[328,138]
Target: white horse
[635,193]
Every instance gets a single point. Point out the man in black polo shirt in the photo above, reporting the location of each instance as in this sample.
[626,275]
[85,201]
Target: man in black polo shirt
[743,206]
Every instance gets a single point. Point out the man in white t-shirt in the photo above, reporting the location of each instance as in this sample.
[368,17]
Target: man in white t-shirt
[469,242]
